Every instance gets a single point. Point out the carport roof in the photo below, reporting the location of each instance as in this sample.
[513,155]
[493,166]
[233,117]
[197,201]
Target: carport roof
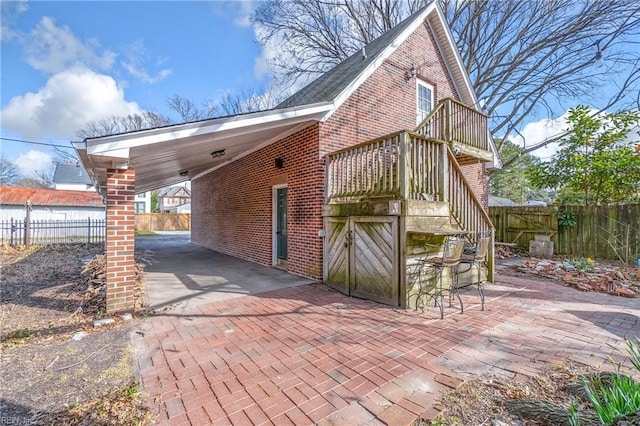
[169,155]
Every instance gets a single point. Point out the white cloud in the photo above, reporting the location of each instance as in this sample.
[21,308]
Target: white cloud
[238,11]
[9,11]
[538,131]
[31,162]
[136,56]
[261,67]
[68,101]
[51,49]
[244,12]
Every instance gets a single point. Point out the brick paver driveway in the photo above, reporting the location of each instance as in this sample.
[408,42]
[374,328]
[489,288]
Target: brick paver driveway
[306,355]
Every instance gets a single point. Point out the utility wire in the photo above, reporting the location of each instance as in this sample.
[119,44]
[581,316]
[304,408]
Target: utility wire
[36,143]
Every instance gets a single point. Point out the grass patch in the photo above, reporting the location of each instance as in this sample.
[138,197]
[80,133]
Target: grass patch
[17,337]
[145,233]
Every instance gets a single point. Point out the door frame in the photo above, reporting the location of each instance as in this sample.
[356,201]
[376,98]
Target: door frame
[274,221]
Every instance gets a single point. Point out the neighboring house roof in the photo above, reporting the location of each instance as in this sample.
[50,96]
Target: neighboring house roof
[18,196]
[173,192]
[71,174]
[500,202]
[172,154]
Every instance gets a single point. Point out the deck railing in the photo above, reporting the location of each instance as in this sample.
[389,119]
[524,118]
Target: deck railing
[375,169]
[368,169]
[465,207]
[456,123]
[425,168]
[430,172]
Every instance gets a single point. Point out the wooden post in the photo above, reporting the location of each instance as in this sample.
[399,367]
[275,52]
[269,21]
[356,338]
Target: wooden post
[444,173]
[448,120]
[403,164]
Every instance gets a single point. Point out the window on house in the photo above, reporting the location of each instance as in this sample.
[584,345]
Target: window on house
[424,100]
[142,194]
[139,206]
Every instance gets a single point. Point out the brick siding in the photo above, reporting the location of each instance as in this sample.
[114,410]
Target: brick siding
[120,239]
[233,206]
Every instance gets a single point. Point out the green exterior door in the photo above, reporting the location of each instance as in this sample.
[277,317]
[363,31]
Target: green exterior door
[281,225]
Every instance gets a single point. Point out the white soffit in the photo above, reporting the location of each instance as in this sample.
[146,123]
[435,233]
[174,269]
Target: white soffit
[173,154]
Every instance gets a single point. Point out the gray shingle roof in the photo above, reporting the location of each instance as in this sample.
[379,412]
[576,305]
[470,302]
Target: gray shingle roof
[172,191]
[71,174]
[329,85]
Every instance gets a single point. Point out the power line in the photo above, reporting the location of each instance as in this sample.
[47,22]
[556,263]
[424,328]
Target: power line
[36,143]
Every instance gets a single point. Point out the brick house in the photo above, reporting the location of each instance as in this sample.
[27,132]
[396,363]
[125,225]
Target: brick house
[271,187]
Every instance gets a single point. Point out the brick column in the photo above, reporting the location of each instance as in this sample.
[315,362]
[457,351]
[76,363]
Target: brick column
[120,239]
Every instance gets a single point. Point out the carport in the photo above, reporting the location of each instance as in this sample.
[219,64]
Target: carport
[124,164]
[181,276]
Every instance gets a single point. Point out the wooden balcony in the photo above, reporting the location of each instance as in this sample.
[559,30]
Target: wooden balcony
[463,129]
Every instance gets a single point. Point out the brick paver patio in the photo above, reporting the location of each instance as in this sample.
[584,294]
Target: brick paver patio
[307,355]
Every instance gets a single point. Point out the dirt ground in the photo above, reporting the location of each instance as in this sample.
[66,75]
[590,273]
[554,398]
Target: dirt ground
[53,361]
[63,380]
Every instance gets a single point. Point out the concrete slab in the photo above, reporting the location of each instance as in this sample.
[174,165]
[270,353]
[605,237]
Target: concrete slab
[182,276]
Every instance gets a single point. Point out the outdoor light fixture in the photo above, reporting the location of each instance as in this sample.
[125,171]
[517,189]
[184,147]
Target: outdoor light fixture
[279,163]
[218,153]
[412,73]
[184,173]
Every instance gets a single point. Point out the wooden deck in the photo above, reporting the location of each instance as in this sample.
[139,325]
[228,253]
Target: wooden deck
[386,196]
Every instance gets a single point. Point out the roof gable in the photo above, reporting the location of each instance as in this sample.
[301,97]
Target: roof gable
[174,191]
[337,84]
[331,84]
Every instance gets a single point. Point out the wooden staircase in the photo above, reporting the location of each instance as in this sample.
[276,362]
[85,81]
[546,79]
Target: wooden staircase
[416,176]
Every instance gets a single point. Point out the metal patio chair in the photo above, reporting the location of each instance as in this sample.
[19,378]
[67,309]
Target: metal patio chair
[451,255]
[475,259]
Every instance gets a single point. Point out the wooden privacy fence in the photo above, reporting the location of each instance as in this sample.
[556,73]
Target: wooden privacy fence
[18,232]
[605,232]
[163,222]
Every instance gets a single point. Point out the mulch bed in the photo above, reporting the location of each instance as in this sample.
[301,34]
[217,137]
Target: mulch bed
[58,375]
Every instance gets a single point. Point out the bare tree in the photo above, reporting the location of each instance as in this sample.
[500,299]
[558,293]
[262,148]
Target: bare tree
[64,155]
[189,111]
[249,101]
[8,172]
[524,57]
[114,124]
[312,36]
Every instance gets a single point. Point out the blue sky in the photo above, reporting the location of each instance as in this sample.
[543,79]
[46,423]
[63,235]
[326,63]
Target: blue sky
[64,63]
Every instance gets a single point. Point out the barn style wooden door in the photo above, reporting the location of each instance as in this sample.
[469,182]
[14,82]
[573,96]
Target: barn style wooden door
[361,257]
